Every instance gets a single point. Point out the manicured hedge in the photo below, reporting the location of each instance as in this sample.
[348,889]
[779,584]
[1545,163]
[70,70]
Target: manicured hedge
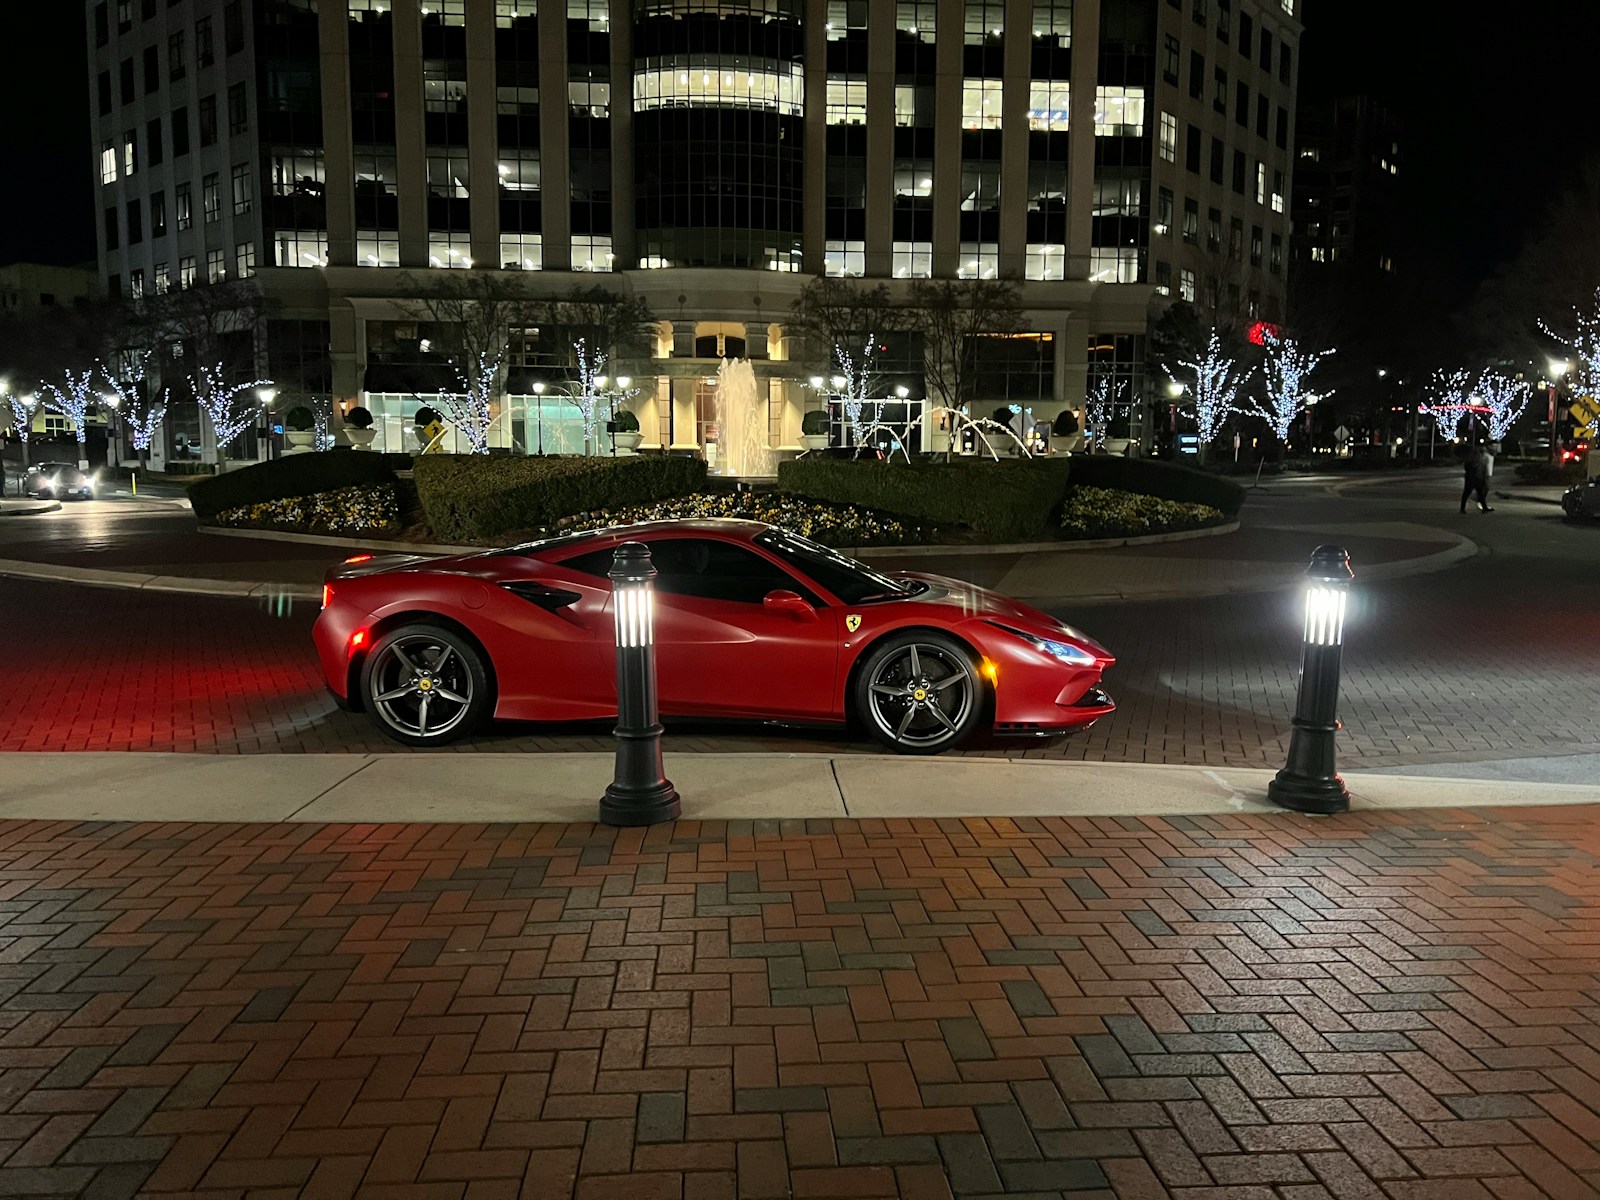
[1009,501]
[1150,477]
[1548,475]
[474,498]
[290,476]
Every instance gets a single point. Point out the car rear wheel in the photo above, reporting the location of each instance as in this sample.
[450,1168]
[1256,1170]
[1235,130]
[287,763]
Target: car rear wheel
[919,693]
[425,685]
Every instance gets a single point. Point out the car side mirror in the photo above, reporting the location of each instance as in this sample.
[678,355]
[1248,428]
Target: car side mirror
[793,603]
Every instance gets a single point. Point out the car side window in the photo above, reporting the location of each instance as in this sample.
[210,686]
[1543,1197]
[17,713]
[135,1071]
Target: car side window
[705,567]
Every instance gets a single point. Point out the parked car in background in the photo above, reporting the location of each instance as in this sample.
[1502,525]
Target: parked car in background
[1583,501]
[58,481]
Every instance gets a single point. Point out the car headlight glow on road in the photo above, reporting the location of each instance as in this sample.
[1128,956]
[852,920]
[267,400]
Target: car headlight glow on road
[1060,651]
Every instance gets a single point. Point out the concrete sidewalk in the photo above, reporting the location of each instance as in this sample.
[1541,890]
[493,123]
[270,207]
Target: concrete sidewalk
[565,788]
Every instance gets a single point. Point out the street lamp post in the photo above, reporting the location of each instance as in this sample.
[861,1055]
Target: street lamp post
[1558,372]
[1309,782]
[639,793]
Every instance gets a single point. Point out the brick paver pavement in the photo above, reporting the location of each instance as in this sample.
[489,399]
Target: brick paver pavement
[1400,1005]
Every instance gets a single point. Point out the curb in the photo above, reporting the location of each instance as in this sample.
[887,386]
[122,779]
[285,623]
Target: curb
[31,512]
[95,577]
[1154,539]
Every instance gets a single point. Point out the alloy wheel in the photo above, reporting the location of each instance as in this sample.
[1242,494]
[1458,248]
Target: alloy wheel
[421,686]
[922,695]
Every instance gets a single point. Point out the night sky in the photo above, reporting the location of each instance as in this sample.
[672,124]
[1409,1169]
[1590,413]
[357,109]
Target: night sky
[1497,101]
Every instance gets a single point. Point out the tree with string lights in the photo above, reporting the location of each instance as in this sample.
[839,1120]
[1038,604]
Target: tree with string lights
[21,410]
[1447,399]
[1499,400]
[1101,407]
[219,400]
[143,416]
[1286,374]
[73,401]
[1212,389]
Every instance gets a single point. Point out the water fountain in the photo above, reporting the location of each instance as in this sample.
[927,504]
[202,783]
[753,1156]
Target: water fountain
[744,444]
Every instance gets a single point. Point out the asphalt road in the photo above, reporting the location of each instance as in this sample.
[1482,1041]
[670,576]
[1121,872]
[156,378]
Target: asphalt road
[1493,660]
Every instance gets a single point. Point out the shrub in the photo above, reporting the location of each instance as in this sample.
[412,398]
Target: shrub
[1148,477]
[1065,424]
[1547,474]
[425,417]
[474,498]
[300,419]
[358,418]
[814,423]
[1008,501]
[290,476]
[830,524]
[369,508]
[1091,512]
[626,422]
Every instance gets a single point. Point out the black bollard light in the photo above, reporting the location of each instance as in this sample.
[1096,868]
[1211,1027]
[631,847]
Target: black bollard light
[1309,782]
[639,793]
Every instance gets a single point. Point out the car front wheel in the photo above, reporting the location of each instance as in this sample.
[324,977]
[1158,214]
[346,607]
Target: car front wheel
[425,685]
[920,693]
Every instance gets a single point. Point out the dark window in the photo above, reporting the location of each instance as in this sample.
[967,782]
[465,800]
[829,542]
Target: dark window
[1218,158]
[1266,50]
[1200,13]
[1169,62]
[1224,19]
[1214,230]
[1236,238]
[233,26]
[147,9]
[704,568]
[205,45]
[127,80]
[1247,35]
[158,214]
[124,15]
[1197,74]
[111,229]
[135,223]
[113,286]
[1255,245]
[1285,63]
[208,120]
[238,114]
[175,55]
[104,85]
[1219,101]
[1241,104]
[102,24]
[1191,158]
[152,70]
[1283,129]
[1263,116]
[152,141]
[180,132]
[1191,221]
[1239,169]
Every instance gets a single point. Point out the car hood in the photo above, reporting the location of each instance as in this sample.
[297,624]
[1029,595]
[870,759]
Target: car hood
[957,596]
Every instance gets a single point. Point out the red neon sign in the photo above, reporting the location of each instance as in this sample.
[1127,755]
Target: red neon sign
[1261,331]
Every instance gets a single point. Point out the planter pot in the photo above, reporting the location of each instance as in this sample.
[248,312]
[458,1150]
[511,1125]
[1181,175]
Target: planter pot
[360,439]
[814,441]
[300,441]
[629,442]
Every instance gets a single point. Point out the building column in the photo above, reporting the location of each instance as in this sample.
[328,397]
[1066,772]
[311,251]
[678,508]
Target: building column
[791,398]
[623,248]
[1080,170]
[814,217]
[483,137]
[1014,142]
[684,432]
[410,134]
[347,353]
[338,161]
[880,139]
[1072,364]
[949,46]
[555,188]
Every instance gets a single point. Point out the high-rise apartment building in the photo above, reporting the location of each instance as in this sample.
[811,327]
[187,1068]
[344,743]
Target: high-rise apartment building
[1347,190]
[707,156]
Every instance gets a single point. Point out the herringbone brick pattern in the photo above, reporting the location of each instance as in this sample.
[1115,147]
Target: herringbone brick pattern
[1400,1006]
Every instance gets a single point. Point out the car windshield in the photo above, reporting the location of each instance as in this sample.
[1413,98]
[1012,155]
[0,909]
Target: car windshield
[851,581]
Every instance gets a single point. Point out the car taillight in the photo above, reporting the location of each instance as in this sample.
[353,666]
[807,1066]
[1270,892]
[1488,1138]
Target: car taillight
[327,594]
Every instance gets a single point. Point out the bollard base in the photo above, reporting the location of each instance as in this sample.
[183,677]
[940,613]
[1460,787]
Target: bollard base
[1303,793]
[632,806]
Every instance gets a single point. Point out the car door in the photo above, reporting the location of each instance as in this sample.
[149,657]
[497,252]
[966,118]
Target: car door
[720,651]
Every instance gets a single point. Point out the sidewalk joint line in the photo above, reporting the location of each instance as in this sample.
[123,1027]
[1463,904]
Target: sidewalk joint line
[366,761]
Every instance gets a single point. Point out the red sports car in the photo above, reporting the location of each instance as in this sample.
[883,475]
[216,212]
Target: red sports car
[752,622]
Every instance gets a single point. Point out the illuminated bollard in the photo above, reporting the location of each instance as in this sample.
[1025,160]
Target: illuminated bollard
[639,793]
[1309,781]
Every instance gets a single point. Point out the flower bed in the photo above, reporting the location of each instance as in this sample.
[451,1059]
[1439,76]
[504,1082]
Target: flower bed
[371,509]
[1091,512]
[830,524]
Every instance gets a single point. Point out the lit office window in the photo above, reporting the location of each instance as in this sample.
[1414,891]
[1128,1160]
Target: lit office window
[845,258]
[592,253]
[1049,104]
[521,251]
[1045,260]
[1119,112]
[981,102]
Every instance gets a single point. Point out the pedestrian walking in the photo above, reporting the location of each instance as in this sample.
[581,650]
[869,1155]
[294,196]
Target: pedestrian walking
[1479,467]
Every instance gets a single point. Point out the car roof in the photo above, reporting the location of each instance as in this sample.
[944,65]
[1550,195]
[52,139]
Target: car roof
[731,528]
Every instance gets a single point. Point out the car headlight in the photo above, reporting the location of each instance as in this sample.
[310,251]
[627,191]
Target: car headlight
[1065,652]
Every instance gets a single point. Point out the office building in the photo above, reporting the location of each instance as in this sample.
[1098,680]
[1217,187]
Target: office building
[707,156]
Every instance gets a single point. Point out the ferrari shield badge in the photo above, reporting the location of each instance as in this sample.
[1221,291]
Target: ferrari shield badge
[852,622]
